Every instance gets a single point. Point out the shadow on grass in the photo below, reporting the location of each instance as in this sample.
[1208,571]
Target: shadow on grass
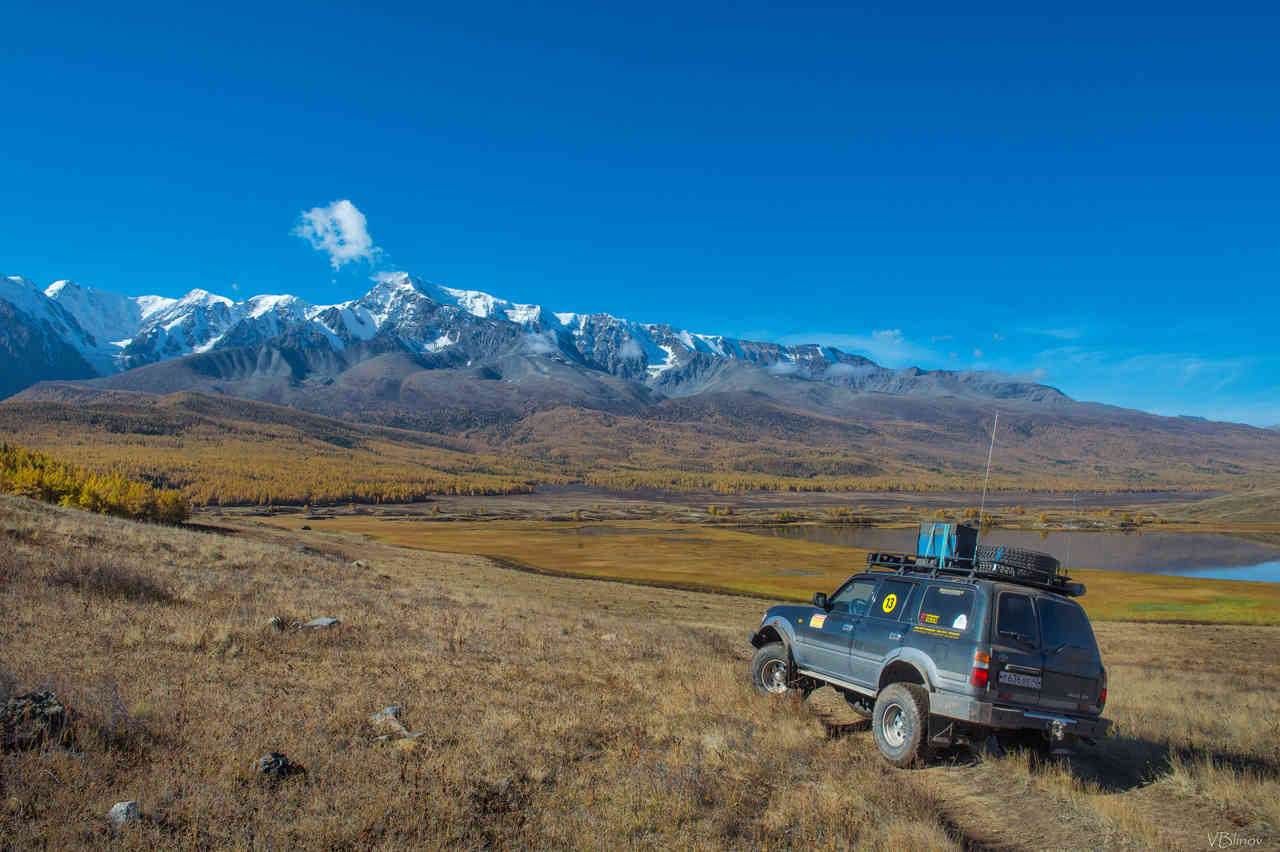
[1120,764]
[109,579]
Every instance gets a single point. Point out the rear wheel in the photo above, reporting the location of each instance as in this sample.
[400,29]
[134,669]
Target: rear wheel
[770,668]
[901,723]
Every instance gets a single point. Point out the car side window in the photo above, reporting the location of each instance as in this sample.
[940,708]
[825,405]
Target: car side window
[947,607]
[1016,619]
[891,599]
[854,597]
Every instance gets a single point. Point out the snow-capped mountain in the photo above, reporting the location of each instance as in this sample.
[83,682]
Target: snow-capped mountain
[460,328]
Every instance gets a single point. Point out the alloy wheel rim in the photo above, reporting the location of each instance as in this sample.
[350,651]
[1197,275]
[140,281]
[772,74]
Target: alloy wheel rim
[894,725]
[773,677]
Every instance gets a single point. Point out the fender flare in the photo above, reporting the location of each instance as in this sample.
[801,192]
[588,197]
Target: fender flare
[916,660]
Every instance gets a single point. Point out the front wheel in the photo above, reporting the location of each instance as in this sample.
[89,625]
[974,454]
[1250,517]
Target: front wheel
[769,669]
[901,723]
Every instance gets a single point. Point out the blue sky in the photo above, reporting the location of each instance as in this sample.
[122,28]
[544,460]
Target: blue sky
[1091,198]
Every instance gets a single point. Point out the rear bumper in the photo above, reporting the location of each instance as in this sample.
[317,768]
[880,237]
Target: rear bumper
[991,715]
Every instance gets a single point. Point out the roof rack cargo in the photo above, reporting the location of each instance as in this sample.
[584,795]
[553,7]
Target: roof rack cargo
[1025,568]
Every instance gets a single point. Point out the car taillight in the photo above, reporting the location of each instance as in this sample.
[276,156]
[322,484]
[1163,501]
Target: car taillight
[981,665]
[1102,697]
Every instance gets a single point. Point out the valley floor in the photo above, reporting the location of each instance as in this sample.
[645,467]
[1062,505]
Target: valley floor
[552,712]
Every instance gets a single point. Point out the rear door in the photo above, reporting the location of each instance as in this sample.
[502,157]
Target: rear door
[1016,671]
[880,630]
[1072,664]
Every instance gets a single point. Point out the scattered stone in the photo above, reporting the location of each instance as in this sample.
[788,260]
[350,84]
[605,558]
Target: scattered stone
[360,565]
[608,637]
[305,527]
[123,812]
[388,720]
[276,766]
[32,720]
[319,623]
[13,805]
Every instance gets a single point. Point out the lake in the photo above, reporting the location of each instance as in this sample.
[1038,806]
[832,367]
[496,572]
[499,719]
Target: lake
[1182,554]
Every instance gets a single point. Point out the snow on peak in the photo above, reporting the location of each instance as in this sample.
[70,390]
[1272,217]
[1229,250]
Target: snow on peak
[204,297]
[284,304]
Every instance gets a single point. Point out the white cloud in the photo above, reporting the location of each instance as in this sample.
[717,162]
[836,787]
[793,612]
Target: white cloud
[540,343]
[941,338]
[783,368]
[1059,333]
[998,337]
[631,351]
[847,371]
[977,353]
[888,347]
[340,230]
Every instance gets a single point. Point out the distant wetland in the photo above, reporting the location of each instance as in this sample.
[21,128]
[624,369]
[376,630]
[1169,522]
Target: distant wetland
[1211,555]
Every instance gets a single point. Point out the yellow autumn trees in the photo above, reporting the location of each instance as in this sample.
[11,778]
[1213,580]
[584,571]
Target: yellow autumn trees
[31,474]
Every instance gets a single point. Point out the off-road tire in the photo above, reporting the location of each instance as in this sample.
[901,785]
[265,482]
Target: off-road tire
[1030,560]
[769,669]
[900,723]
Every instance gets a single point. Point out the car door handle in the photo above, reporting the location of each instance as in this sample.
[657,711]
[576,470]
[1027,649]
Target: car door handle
[895,636]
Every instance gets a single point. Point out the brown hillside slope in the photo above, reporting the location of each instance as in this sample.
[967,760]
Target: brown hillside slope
[713,442]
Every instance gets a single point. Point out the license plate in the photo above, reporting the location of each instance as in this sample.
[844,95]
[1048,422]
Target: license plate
[1013,679]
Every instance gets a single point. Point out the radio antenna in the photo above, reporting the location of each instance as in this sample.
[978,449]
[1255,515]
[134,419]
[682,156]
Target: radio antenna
[983,505]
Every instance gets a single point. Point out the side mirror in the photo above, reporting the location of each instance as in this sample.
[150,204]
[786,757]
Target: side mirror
[820,600]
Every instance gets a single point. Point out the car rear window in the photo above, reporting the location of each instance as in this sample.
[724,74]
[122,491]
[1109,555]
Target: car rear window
[1017,619]
[947,606]
[1065,625]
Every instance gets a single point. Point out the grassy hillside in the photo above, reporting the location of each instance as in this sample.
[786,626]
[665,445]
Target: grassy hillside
[552,713]
[225,451]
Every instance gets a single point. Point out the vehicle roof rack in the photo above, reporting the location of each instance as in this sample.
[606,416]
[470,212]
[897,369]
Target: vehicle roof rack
[988,567]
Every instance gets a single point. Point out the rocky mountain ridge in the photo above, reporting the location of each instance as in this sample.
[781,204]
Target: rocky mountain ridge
[445,328]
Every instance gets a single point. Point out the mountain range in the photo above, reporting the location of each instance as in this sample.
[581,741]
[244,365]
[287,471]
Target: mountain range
[83,332]
[517,378]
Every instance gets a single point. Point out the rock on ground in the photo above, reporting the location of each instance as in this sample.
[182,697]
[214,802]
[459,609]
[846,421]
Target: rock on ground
[276,766]
[123,812]
[32,720]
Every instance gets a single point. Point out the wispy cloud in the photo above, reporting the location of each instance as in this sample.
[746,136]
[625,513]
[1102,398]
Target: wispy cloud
[631,350]
[1058,333]
[340,230]
[888,347]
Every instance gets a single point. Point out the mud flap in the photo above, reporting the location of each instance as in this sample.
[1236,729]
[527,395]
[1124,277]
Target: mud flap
[942,731]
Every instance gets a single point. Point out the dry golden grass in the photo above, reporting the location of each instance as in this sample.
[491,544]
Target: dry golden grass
[1197,745]
[554,712]
[671,555]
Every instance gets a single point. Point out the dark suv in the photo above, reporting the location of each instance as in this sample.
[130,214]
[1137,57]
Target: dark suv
[938,649]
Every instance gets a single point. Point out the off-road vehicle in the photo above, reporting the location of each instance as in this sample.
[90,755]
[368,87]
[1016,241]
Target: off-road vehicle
[952,643]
